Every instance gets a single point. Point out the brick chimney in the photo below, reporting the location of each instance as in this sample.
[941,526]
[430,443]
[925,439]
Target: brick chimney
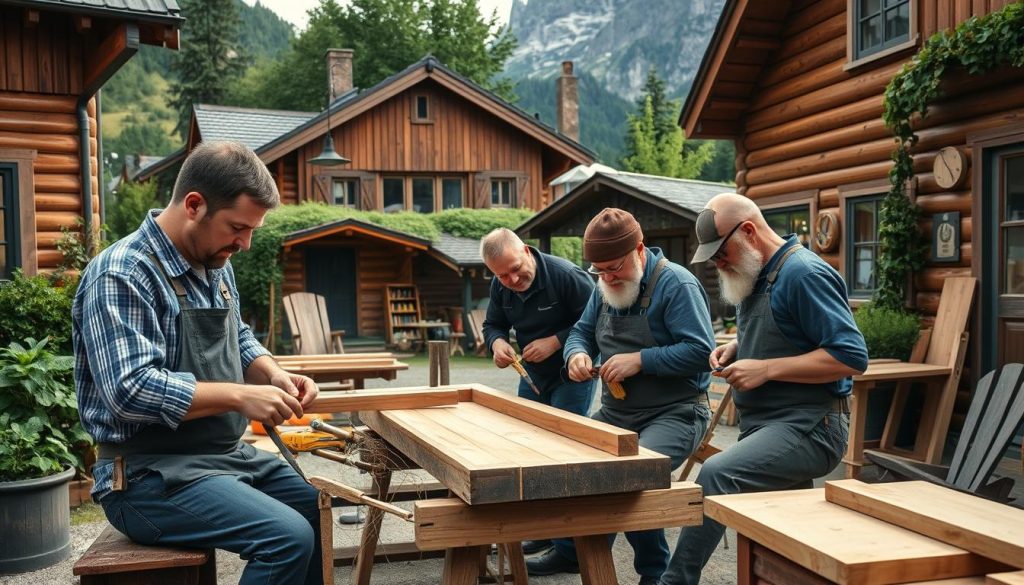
[567,103]
[339,71]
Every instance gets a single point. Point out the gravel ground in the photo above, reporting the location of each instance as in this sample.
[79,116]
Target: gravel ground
[721,570]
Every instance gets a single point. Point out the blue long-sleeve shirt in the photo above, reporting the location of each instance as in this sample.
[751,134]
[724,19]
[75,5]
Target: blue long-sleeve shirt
[125,332]
[679,317]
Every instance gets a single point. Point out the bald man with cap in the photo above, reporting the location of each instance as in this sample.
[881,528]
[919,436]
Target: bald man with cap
[648,324]
[796,347]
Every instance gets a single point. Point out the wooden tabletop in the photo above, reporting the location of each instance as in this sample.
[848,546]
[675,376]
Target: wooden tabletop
[839,544]
[900,370]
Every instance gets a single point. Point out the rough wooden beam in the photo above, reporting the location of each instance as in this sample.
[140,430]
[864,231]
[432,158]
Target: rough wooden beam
[112,53]
[382,400]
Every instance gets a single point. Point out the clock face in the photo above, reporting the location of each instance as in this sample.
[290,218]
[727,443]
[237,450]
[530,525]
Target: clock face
[948,168]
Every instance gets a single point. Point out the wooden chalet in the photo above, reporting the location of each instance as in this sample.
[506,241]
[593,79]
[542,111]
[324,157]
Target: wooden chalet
[54,56]
[666,209]
[425,139]
[798,85]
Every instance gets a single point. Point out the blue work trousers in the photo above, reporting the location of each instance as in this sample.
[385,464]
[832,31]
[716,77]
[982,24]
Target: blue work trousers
[776,456]
[269,518]
[675,431]
[569,396]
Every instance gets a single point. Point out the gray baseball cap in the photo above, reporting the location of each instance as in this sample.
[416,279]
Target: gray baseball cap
[708,238]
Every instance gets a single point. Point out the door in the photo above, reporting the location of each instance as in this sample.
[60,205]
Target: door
[331,272]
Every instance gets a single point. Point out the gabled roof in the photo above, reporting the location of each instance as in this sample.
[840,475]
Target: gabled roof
[682,197]
[355,225]
[153,169]
[457,252]
[746,37]
[163,11]
[251,126]
[427,68]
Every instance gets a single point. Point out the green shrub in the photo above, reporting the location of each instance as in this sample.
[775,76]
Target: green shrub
[477,223]
[570,248]
[40,432]
[33,307]
[129,207]
[888,333]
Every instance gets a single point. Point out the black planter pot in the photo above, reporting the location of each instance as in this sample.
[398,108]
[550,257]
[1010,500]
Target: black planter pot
[35,521]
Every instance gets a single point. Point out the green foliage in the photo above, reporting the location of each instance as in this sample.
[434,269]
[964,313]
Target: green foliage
[128,207]
[722,166]
[40,432]
[570,248]
[889,333]
[476,223]
[387,36]
[210,60]
[649,153]
[261,32]
[33,307]
[977,45]
[602,113]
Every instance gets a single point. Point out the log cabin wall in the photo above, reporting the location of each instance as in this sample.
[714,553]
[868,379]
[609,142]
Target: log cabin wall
[813,125]
[41,72]
[441,287]
[458,139]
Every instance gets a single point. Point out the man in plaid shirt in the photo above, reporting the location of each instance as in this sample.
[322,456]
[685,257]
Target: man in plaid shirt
[167,376]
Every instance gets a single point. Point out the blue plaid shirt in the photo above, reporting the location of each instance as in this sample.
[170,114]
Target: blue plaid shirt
[126,333]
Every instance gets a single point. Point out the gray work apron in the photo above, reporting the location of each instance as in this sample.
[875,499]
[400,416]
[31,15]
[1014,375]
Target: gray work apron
[211,445]
[631,333]
[760,338]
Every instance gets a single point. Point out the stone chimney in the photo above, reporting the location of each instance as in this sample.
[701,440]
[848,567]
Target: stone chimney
[339,71]
[567,103]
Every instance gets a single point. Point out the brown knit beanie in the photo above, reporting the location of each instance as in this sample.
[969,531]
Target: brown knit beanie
[612,234]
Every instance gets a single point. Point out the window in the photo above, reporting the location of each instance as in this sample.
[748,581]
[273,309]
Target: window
[394,194]
[9,241]
[791,220]
[879,25]
[451,193]
[423,194]
[345,192]
[422,112]
[501,193]
[862,245]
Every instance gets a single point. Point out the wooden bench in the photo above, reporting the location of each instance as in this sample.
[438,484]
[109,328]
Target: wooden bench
[114,560]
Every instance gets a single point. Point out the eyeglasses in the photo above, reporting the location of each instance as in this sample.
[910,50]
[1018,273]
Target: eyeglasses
[721,247]
[597,272]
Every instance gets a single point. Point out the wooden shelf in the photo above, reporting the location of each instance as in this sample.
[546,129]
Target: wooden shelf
[402,307]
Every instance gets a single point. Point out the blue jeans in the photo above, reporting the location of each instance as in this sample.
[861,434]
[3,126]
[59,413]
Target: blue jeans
[674,431]
[569,396]
[269,518]
[776,456]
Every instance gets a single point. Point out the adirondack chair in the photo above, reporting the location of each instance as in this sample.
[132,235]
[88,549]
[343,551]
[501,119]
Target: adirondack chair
[996,411]
[311,331]
[476,322]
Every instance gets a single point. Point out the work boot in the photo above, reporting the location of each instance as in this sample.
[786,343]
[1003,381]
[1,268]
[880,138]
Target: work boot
[532,547]
[551,563]
[649,580]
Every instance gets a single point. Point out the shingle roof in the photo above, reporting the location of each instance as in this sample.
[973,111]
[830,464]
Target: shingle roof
[688,194]
[162,10]
[461,251]
[248,125]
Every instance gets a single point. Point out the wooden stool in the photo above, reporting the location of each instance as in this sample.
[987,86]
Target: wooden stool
[114,560]
[455,343]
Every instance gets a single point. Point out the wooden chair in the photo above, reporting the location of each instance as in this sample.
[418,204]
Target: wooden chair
[476,322]
[311,331]
[996,411]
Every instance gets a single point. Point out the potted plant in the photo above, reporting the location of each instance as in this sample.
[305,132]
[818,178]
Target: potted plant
[39,435]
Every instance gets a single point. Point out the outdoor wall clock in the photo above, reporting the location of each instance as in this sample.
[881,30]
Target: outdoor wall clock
[826,231]
[950,168]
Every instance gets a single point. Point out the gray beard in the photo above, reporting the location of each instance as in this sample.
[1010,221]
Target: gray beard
[737,285]
[623,299]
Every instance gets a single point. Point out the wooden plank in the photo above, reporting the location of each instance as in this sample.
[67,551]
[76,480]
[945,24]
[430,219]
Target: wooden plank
[1016,578]
[969,522]
[112,552]
[841,545]
[599,435]
[356,400]
[451,522]
[390,552]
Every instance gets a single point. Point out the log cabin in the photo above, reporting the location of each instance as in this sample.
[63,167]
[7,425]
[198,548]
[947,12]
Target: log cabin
[798,85]
[54,57]
[425,139]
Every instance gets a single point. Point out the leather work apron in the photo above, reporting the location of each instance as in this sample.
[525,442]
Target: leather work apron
[617,334]
[760,338]
[205,446]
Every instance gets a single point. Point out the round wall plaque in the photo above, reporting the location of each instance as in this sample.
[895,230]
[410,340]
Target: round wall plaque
[949,168]
[826,231]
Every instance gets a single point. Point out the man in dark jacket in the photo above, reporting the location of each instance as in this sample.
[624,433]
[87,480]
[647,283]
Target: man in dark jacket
[541,296]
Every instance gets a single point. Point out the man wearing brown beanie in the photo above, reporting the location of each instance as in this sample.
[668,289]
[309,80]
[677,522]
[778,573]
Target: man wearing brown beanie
[649,321]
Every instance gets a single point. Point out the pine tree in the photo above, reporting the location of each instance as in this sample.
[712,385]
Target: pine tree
[210,60]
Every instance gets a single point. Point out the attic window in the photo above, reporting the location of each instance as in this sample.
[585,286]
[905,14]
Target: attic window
[421,109]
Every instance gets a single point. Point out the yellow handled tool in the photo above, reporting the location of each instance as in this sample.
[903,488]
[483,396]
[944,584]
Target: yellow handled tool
[518,366]
[616,389]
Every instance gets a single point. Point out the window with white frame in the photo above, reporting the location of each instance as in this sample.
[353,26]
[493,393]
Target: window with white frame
[862,245]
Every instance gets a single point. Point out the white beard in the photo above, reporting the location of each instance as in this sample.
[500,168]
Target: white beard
[623,296]
[737,283]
